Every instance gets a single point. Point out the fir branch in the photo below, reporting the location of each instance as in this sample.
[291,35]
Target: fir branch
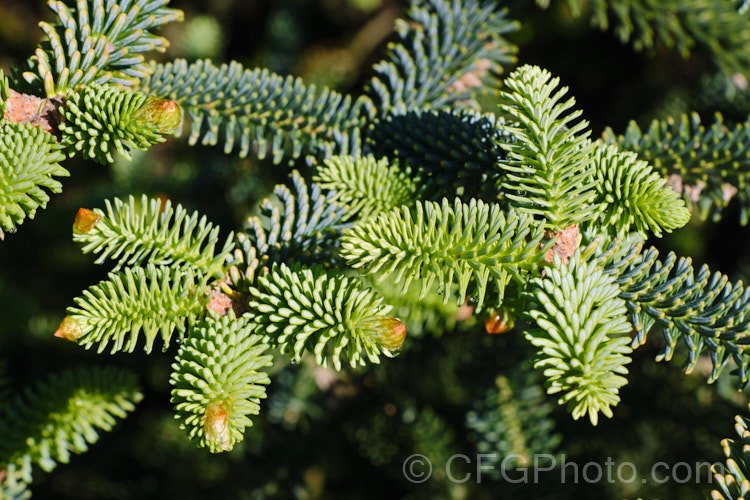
[152,301]
[62,414]
[550,170]
[332,316]
[368,186]
[428,314]
[703,310]
[29,163]
[512,421]
[150,231]
[265,111]
[717,26]
[631,195]
[580,322]
[732,480]
[470,242]
[218,381]
[383,439]
[452,151]
[13,489]
[97,41]
[708,166]
[99,120]
[447,51]
[305,230]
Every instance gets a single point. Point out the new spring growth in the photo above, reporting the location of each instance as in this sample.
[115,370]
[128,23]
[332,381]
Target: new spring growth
[391,333]
[164,114]
[68,329]
[85,221]
[216,425]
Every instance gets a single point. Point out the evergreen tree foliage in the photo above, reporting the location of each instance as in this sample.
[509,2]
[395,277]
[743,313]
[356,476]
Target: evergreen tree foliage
[580,337]
[217,382]
[421,313]
[732,476]
[97,41]
[451,150]
[301,309]
[421,211]
[447,51]
[29,162]
[512,423]
[153,300]
[632,195]
[468,243]
[99,120]
[271,114]
[720,28]
[550,169]
[150,231]
[62,414]
[707,165]
[302,225]
[14,490]
[705,311]
[368,186]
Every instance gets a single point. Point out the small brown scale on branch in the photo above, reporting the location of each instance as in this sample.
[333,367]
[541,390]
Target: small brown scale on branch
[472,78]
[223,297]
[693,191]
[25,108]
[566,242]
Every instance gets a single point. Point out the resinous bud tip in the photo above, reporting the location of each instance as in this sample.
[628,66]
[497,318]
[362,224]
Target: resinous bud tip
[85,221]
[166,115]
[499,321]
[216,426]
[391,333]
[68,329]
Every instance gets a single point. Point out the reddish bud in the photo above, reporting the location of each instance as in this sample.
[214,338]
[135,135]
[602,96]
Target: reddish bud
[217,427]
[68,329]
[163,113]
[499,321]
[85,221]
[391,333]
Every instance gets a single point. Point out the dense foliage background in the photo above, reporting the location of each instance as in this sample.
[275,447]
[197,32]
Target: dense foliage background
[345,435]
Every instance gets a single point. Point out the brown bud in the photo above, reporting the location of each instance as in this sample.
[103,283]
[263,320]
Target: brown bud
[163,113]
[499,321]
[85,221]
[391,333]
[217,427]
[68,329]
[219,302]
[566,242]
